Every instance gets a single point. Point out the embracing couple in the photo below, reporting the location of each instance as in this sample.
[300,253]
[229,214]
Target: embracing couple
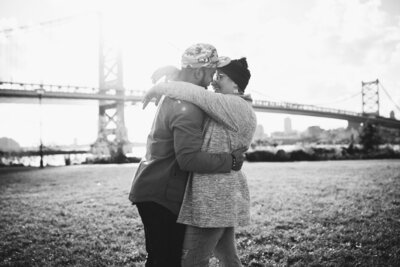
[189,189]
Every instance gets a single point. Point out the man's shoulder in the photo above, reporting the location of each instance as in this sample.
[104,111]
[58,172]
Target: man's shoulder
[181,106]
[180,111]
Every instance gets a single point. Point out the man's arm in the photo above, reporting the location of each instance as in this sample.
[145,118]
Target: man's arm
[186,125]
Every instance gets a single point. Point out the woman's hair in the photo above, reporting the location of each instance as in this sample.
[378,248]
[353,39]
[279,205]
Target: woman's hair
[238,71]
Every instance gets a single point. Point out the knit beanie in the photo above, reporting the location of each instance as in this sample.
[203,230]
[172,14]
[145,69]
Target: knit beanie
[238,71]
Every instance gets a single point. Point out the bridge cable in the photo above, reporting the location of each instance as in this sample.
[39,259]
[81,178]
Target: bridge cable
[339,100]
[388,95]
[44,23]
[262,94]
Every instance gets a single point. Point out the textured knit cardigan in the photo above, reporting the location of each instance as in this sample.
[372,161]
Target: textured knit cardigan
[216,200]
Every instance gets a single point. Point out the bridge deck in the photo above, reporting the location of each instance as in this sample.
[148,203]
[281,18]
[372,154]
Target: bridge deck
[15,90]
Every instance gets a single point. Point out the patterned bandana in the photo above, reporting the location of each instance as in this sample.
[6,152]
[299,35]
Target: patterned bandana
[200,56]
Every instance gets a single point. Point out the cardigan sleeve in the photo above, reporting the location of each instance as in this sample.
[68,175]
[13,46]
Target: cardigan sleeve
[186,124]
[220,107]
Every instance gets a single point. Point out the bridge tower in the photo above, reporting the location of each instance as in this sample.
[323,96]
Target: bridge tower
[370,98]
[112,138]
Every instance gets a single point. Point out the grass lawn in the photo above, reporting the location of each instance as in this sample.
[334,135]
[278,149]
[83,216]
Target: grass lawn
[328,213]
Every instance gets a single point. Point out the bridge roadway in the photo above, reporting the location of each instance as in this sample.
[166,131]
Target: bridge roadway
[310,110]
[20,90]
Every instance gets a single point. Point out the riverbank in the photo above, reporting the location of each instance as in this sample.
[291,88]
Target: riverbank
[320,152]
[283,153]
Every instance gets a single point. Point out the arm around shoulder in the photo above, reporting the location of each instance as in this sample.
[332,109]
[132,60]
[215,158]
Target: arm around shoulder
[220,107]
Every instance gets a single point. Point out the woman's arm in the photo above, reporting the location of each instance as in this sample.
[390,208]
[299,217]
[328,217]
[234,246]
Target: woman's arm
[220,107]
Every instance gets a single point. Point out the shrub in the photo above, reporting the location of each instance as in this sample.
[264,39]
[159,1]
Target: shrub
[260,155]
[298,155]
[369,136]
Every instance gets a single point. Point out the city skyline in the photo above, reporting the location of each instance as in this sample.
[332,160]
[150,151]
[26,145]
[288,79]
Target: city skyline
[140,139]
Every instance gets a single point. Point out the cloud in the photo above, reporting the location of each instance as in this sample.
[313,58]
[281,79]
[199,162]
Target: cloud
[327,53]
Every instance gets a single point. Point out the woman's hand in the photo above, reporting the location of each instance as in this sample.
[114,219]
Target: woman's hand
[170,73]
[152,93]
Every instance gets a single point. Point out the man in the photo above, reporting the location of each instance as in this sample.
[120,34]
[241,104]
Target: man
[173,150]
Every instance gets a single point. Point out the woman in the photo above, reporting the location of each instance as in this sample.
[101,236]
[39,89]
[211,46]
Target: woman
[214,204]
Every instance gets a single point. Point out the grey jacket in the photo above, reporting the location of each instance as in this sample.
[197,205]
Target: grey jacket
[173,149]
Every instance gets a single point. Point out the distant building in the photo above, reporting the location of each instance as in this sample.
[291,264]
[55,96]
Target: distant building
[287,127]
[313,131]
[9,144]
[288,136]
[332,136]
[259,133]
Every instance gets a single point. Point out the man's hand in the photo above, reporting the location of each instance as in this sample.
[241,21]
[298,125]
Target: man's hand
[238,158]
[152,93]
[170,73]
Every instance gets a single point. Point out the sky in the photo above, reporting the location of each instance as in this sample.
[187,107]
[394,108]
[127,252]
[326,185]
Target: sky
[309,52]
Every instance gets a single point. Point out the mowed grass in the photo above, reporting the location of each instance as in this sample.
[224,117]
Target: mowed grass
[329,213]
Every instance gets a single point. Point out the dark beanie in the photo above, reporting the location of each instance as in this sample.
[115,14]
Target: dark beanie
[238,71]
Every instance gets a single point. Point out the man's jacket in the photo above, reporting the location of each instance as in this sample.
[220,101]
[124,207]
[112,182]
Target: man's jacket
[173,150]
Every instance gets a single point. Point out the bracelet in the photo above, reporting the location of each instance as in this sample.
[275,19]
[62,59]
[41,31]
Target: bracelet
[233,161]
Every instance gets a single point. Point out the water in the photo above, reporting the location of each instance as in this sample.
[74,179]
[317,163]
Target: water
[140,151]
[60,160]
[48,160]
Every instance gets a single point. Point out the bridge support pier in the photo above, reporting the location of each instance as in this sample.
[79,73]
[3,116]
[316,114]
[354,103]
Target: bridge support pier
[112,138]
[353,125]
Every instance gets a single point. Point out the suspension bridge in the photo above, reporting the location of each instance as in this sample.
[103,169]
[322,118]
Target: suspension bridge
[25,90]
[111,93]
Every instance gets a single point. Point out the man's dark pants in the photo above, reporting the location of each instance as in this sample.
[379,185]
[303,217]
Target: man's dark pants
[164,237]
